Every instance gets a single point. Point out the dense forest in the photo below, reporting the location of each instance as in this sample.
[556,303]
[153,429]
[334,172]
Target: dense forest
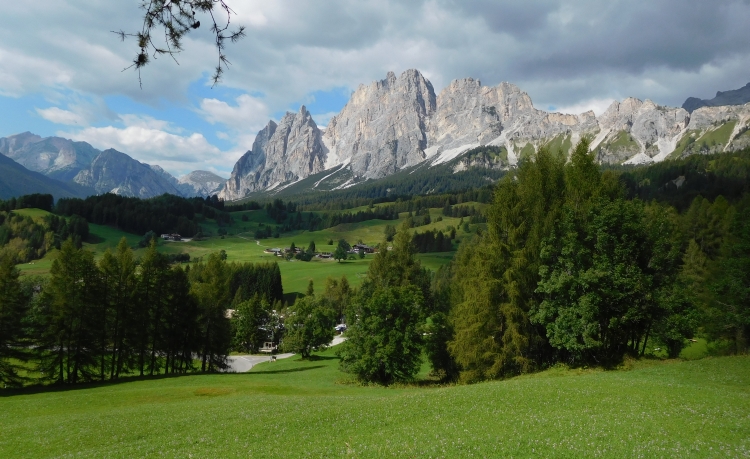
[571,269]
[677,183]
[162,214]
[121,316]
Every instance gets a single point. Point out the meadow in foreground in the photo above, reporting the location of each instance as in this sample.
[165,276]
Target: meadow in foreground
[295,408]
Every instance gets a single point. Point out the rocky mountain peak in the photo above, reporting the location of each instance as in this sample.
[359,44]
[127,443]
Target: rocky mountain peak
[383,126]
[399,121]
[115,172]
[739,96]
[55,157]
[283,152]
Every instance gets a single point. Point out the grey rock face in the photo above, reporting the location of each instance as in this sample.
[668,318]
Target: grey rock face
[633,127]
[200,183]
[398,122]
[196,183]
[291,150]
[115,172]
[54,157]
[734,97]
[383,127]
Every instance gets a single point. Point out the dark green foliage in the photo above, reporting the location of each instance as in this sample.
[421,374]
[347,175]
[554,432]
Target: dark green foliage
[603,288]
[339,254]
[709,176]
[308,325]
[210,284]
[437,330]
[249,323]
[496,275]
[431,241]
[162,214]
[29,201]
[338,294]
[262,279]
[732,301]
[147,239]
[384,344]
[13,305]
[71,333]
[390,231]
[386,317]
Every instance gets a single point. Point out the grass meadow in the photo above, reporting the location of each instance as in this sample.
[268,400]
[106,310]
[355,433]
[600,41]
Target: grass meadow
[241,246]
[295,408]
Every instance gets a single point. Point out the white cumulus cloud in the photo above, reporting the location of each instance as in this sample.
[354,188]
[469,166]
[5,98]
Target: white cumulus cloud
[60,116]
[246,114]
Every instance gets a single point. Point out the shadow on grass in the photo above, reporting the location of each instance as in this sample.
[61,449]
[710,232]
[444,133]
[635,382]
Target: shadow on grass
[62,387]
[94,239]
[313,358]
[276,372]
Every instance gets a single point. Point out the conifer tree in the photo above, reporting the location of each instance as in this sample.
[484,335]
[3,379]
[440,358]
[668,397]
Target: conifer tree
[13,307]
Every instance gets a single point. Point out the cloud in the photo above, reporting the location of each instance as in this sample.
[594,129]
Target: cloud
[178,154]
[598,106]
[322,119]
[59,116]
[247,114]
[569,54]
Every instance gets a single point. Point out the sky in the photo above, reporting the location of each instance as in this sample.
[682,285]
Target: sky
[61,67]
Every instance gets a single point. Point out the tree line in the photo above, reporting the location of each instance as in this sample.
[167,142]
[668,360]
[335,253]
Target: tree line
[23,239]
[122,316]
[162,214]
[708,176]
[570,270]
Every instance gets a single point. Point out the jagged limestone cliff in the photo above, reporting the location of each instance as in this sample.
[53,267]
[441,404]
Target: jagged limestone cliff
[281,153]
[399,122]
[383,128]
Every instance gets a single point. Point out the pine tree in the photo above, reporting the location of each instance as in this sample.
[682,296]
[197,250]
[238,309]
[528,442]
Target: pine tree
[71,342]
[211,288]
[13,307]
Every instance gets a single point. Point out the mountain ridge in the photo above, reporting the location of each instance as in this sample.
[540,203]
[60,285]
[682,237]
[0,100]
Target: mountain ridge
[399,122]
[79,163]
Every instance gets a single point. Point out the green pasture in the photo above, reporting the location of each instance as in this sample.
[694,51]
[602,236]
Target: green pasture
[241,246]
[295,408]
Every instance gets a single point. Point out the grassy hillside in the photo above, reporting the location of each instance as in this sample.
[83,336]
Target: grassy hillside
[241,246]
[294,408]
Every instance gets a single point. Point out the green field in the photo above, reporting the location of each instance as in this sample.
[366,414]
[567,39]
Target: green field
[241,246]
[295,408]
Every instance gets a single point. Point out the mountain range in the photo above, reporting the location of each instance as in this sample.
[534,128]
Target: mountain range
[78,169]
[398,124]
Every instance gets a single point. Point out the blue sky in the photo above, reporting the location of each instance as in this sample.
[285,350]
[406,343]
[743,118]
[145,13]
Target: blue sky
[61,66]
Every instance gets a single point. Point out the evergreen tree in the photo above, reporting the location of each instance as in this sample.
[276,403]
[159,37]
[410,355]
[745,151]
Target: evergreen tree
[495,279]
[71,342]
[181,333]
[338,294]
[119,281]
[211,288]
[733,281]
[13,308]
